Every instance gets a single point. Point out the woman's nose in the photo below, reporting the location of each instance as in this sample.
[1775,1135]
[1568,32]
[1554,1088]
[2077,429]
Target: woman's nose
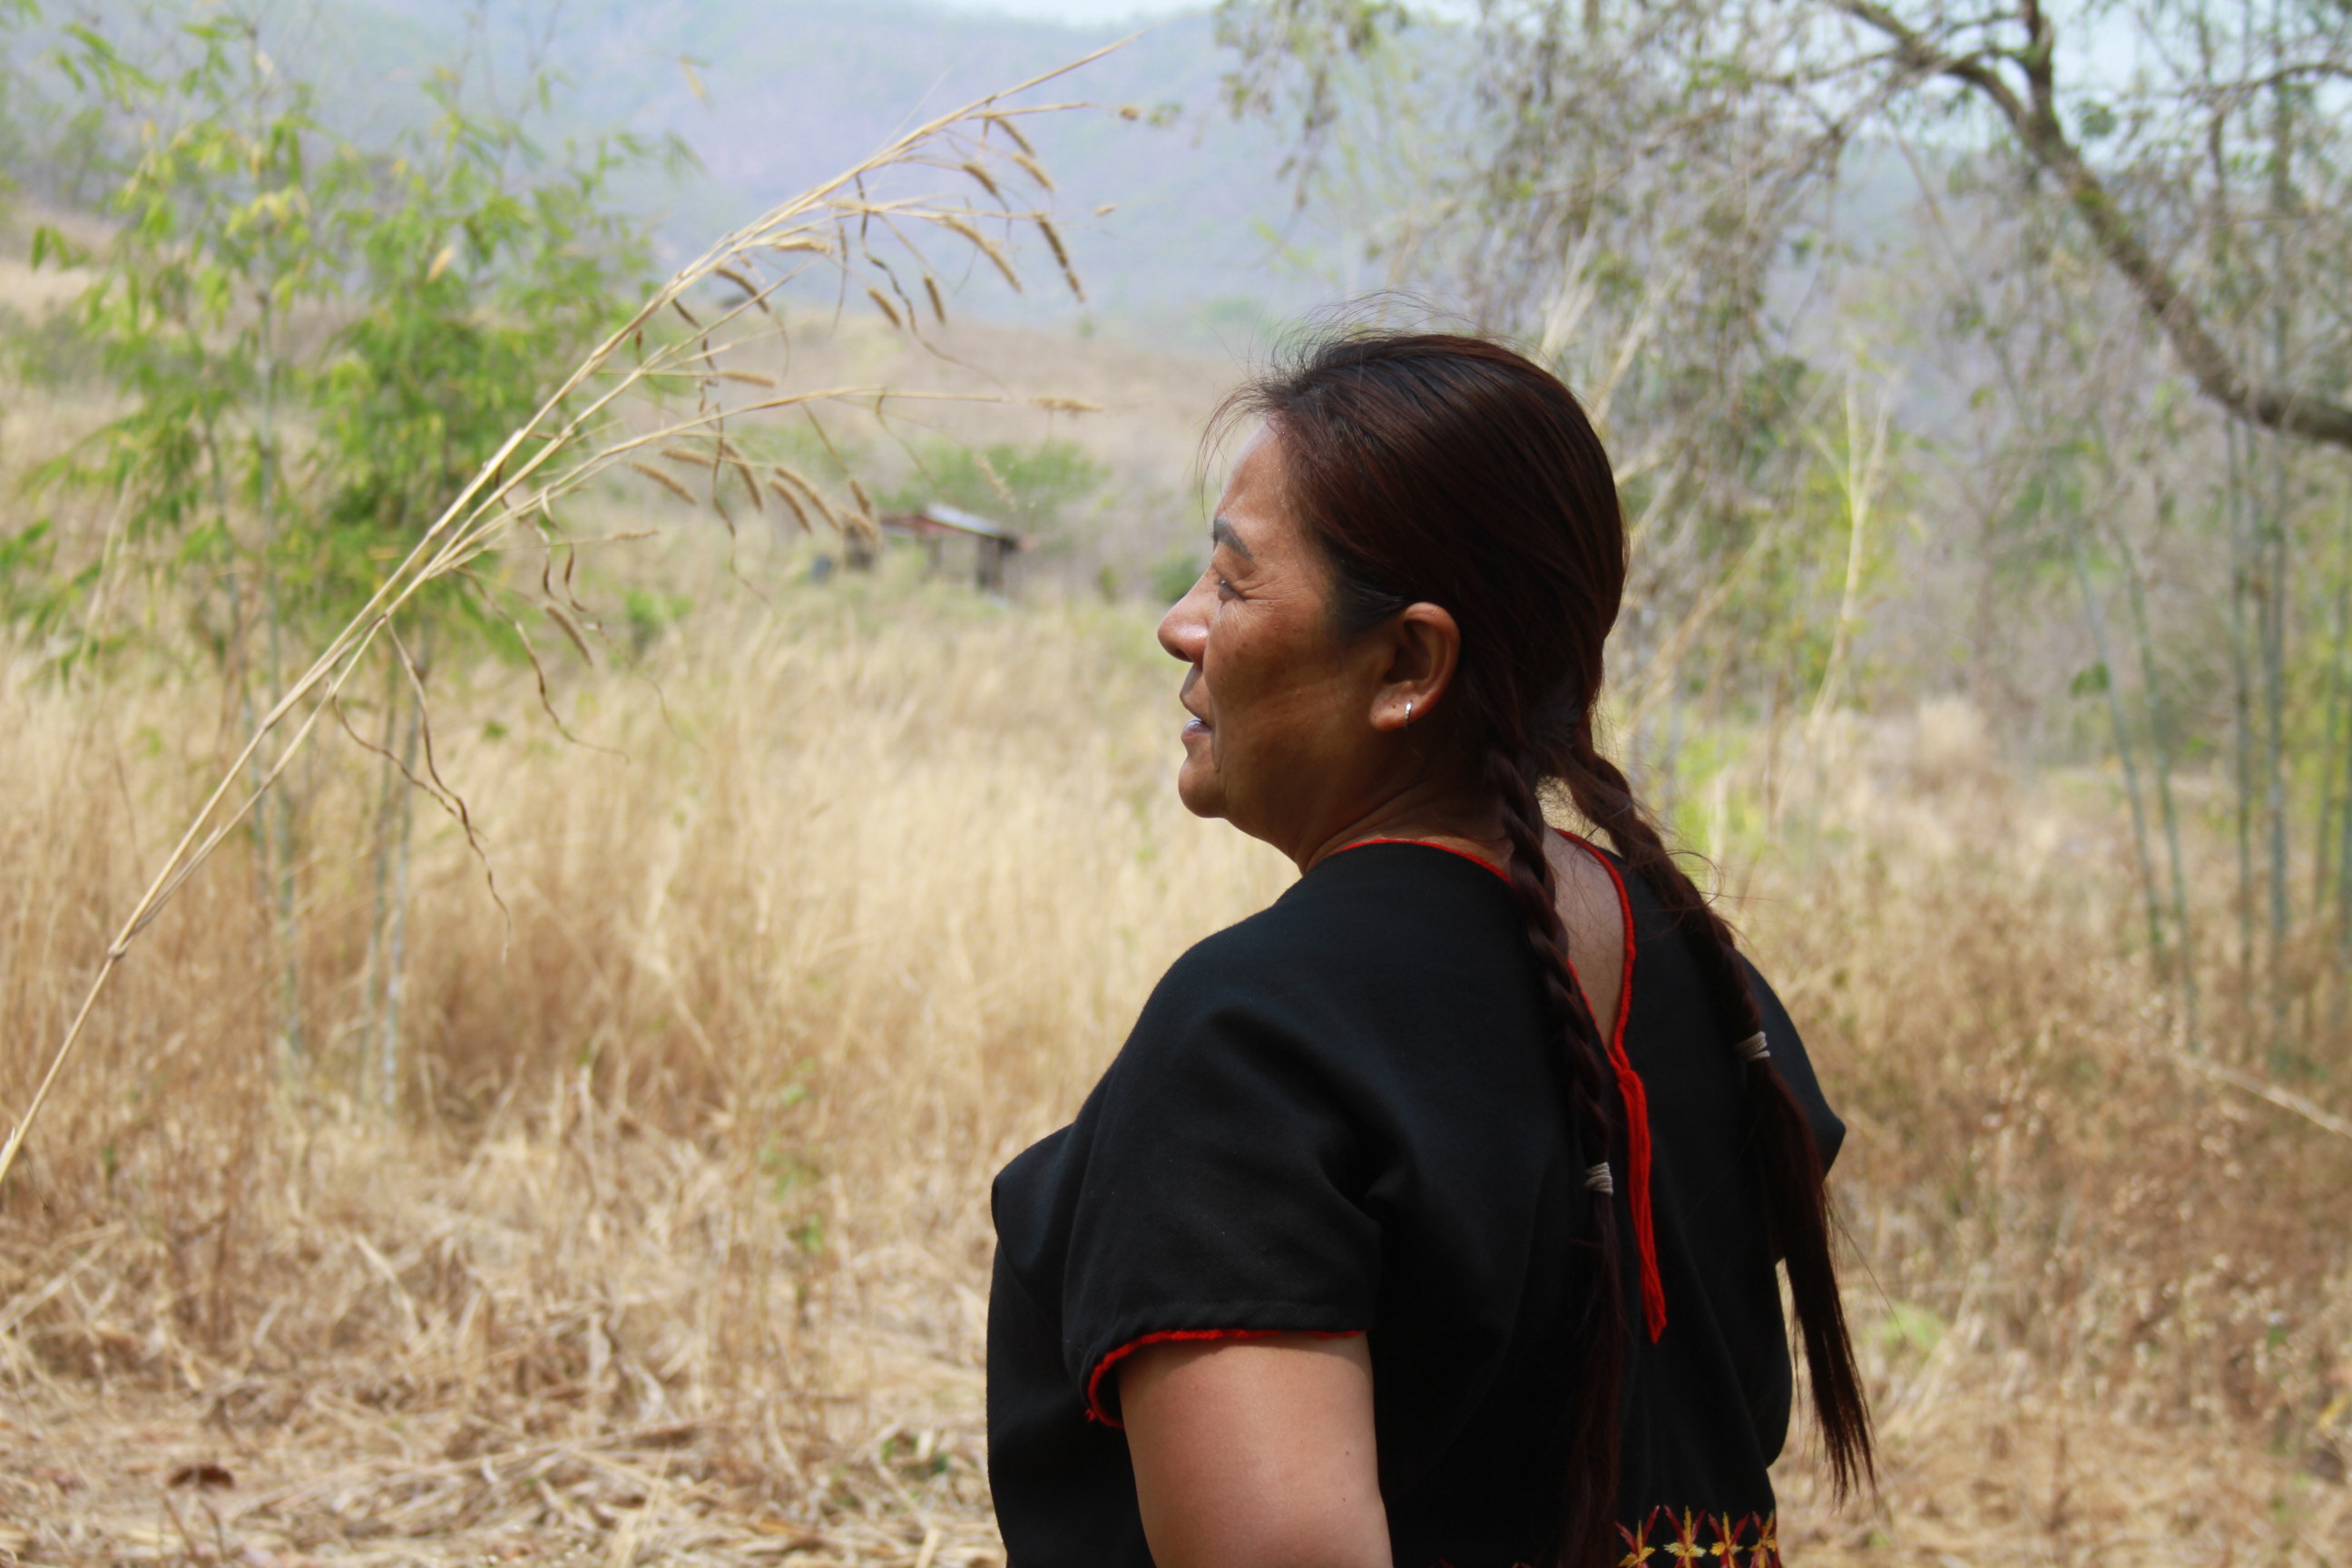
[1184,629]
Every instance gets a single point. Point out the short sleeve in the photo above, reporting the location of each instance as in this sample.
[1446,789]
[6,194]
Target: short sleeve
[1219,1188]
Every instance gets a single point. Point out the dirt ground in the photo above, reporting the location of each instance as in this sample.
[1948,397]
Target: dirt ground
[895,1475]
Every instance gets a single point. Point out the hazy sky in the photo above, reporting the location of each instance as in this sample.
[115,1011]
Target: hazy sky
[1092,11]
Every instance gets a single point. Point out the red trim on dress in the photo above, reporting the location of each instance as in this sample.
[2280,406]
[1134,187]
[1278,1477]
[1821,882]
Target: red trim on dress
[1094,1411]
[1442,848]
[1630,1087]
[1637,1109]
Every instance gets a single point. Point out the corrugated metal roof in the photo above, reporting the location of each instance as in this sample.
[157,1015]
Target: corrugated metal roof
[964,521]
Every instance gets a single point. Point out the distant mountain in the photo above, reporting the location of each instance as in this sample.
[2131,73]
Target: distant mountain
[1203,248]
[775,95]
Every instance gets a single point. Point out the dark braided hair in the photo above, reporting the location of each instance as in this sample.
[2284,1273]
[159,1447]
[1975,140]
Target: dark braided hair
[1790,1161]
[1446,469]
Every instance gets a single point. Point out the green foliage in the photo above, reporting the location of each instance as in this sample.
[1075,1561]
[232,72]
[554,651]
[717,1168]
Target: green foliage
[219,210]
[320,343]
[32,592]
[1315,40]
[649,614]
[1173,574]
[486,271]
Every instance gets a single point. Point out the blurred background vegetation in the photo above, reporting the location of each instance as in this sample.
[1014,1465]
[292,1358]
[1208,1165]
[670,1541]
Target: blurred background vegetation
[1980,387]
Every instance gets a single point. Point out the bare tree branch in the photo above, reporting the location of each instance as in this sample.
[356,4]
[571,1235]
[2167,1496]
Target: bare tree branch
[2034,118]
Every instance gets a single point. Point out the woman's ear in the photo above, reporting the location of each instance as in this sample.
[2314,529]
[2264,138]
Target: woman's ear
[1422,648]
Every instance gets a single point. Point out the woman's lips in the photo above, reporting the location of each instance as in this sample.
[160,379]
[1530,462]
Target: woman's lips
[1196,727]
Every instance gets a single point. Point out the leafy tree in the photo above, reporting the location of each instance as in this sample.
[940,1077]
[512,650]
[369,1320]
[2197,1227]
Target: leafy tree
[2234,110]
[318,344]
[484,269]
[223,214]
[223,211]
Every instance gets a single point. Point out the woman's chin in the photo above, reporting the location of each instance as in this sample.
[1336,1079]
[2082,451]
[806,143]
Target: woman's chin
[1196,786]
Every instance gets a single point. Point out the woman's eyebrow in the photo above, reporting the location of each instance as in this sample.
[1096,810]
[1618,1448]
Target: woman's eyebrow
[1222,532]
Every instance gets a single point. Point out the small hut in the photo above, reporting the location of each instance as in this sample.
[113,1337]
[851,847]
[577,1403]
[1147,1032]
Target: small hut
[938,524]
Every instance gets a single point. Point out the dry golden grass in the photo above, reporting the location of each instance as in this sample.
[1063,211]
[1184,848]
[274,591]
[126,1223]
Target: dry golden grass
[646,396]
[2107,1300]
[677,1249]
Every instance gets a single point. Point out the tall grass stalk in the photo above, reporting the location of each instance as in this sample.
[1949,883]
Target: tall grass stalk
[584,431]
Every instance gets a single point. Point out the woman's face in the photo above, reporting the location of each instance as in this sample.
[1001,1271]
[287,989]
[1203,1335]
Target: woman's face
[1293,734]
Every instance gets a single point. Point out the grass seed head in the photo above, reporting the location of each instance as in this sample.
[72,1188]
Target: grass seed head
[785,494]
[1033,168]
[980,176]
[816,497]
[751,480]
[665,481]
[1004,122]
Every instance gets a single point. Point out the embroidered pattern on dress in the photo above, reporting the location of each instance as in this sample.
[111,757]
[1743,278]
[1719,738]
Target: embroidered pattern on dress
[1690,1540]
[1750,1540]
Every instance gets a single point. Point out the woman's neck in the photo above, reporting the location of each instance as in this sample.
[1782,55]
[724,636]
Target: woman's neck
[1450,818]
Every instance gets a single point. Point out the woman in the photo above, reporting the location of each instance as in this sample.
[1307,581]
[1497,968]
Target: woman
[1431,1215]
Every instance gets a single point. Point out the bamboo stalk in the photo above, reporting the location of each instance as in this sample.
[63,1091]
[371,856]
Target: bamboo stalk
[1861,483]
[2343,838]
[2124,752]
[2325,827]
[2241,703]
[2271,586]
[2160,748]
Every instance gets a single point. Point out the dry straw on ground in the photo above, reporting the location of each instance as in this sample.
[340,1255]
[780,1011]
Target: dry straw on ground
[679,1253]
[780,991]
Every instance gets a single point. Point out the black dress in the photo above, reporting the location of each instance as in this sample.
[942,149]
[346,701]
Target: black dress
[1343,1115]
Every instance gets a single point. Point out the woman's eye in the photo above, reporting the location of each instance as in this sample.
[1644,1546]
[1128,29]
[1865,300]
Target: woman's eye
[1225,590]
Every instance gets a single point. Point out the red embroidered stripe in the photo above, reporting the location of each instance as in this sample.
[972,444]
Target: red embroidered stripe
[1637,1113]
[1442,848]
[1094,1411]
[1630,1087]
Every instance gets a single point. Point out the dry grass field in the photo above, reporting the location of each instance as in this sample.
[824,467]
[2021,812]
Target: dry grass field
[673,1245]
[677,1249]
[772,925]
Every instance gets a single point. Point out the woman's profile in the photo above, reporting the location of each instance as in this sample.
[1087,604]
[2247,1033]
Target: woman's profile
[1433,1214]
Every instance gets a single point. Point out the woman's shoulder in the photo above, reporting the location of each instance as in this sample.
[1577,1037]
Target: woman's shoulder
[1381,953]
[1365,913]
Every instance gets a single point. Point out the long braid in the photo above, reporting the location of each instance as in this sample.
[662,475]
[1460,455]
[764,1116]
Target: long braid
[1795,1206]
[1588,1530]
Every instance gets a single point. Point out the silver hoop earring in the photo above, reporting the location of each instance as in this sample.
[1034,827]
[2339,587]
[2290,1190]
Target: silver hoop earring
[1408,712]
